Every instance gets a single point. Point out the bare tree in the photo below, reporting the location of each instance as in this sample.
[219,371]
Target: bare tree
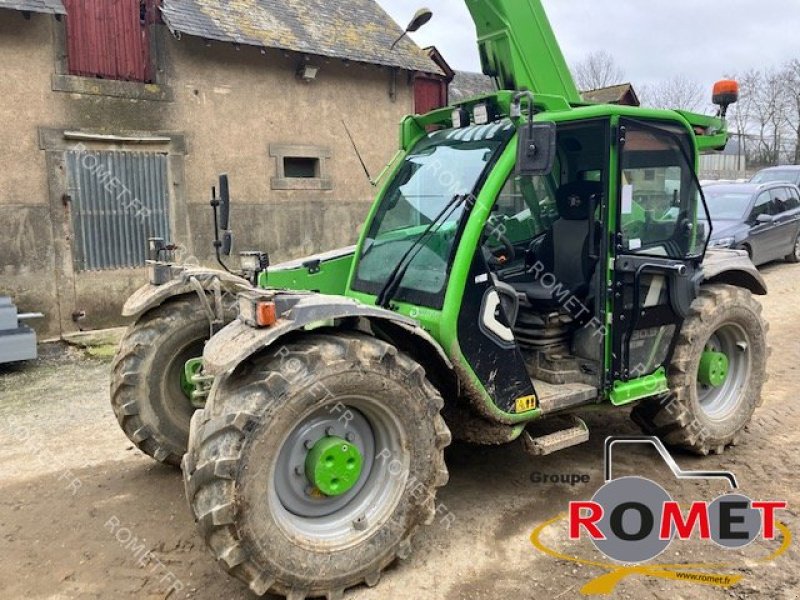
[598,70]
[677,93]
[741,115]
[793,92]
[771,117]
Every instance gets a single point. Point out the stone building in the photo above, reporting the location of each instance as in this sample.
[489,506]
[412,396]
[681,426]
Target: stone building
[118,118]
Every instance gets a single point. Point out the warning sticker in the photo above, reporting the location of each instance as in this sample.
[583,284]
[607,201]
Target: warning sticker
[526,403]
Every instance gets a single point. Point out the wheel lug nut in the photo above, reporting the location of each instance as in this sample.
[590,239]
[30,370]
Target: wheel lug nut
[329,431]
[360,524]
[350,437]
[298,470]
[308,444]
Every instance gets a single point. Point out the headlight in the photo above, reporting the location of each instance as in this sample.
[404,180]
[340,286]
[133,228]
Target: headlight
[481,114]
[725,242]
[158,273]
[252,262]
[460,118]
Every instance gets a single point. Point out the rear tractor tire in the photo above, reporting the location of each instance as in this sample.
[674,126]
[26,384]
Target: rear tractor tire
[716,376]
[147,387]
[312,466]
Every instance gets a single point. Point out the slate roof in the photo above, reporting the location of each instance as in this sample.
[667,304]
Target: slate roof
[357,30]
[468,85]
[40,6]
[613,94]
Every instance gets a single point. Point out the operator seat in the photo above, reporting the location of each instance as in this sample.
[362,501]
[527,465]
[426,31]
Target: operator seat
[563,258]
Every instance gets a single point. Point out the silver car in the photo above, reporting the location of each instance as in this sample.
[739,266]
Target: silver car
[762,219]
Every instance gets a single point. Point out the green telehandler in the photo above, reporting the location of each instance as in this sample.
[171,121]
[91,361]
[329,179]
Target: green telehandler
[529,255]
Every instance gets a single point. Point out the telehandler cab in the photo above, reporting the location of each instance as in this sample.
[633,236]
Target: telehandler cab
[529,256]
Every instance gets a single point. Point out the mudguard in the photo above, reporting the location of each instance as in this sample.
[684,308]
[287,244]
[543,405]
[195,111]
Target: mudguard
[151,296]
[238,341]
[733,267]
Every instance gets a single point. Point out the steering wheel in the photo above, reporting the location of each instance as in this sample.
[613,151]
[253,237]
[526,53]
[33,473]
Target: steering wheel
[498,257]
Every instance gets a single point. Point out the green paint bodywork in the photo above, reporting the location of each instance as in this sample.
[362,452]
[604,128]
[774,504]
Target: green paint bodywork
[639,389]
[519,49]
[333,465]
[331,278]
[713,370]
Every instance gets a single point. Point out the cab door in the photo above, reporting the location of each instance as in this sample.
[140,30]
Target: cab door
[764,231]
[659,246]
[785,205]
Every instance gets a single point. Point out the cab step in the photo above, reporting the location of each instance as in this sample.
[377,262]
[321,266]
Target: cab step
[556,398]
[542,445]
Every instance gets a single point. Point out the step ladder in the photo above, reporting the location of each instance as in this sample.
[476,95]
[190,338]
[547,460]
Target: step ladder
[575,433]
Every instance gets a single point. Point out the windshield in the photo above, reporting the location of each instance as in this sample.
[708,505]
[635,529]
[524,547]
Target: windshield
[726,205]
[443,165]
[771,176]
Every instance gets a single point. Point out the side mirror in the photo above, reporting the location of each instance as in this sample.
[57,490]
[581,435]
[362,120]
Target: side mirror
[536,149]
[227,243]
[224,203]
[764,219]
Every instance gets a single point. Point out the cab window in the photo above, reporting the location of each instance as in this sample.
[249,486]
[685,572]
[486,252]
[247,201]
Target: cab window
[526,207]
[660,199]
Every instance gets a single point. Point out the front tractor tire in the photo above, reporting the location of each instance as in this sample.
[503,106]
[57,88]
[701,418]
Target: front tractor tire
[312,466]
[147,388]
[716,376]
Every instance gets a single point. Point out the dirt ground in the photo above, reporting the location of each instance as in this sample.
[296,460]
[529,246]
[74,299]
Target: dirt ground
[85,515]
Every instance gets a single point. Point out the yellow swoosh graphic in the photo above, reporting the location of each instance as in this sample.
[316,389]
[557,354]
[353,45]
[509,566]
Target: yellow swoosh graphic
[689,572]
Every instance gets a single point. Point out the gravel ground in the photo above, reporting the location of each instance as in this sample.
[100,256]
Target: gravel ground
[68,476]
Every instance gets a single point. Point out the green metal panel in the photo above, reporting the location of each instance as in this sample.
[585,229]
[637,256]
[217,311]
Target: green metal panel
[518,47]
[638,389]
[448,332]
[331,278]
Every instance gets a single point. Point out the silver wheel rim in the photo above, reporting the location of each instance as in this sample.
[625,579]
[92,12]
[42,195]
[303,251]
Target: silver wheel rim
[718,403]
[341,521]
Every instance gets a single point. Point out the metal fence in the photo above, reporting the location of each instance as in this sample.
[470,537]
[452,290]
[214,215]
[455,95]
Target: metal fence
[118,201]
[722,166]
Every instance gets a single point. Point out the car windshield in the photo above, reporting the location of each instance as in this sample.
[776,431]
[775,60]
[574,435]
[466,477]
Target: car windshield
[726,205]
[443,165]
[772,176]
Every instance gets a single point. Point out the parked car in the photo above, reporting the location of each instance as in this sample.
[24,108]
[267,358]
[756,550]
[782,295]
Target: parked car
[786,174]
[762,219]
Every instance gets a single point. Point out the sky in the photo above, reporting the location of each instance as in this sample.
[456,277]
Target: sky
[651,40]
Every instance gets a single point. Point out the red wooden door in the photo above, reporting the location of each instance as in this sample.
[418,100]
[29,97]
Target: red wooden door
[109,38]
[429,94]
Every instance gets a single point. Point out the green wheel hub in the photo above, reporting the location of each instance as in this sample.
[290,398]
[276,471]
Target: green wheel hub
[333,465]
[713,369]
[190,369]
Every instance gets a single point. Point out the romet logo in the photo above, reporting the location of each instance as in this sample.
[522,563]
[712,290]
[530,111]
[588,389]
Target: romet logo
[632,520]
